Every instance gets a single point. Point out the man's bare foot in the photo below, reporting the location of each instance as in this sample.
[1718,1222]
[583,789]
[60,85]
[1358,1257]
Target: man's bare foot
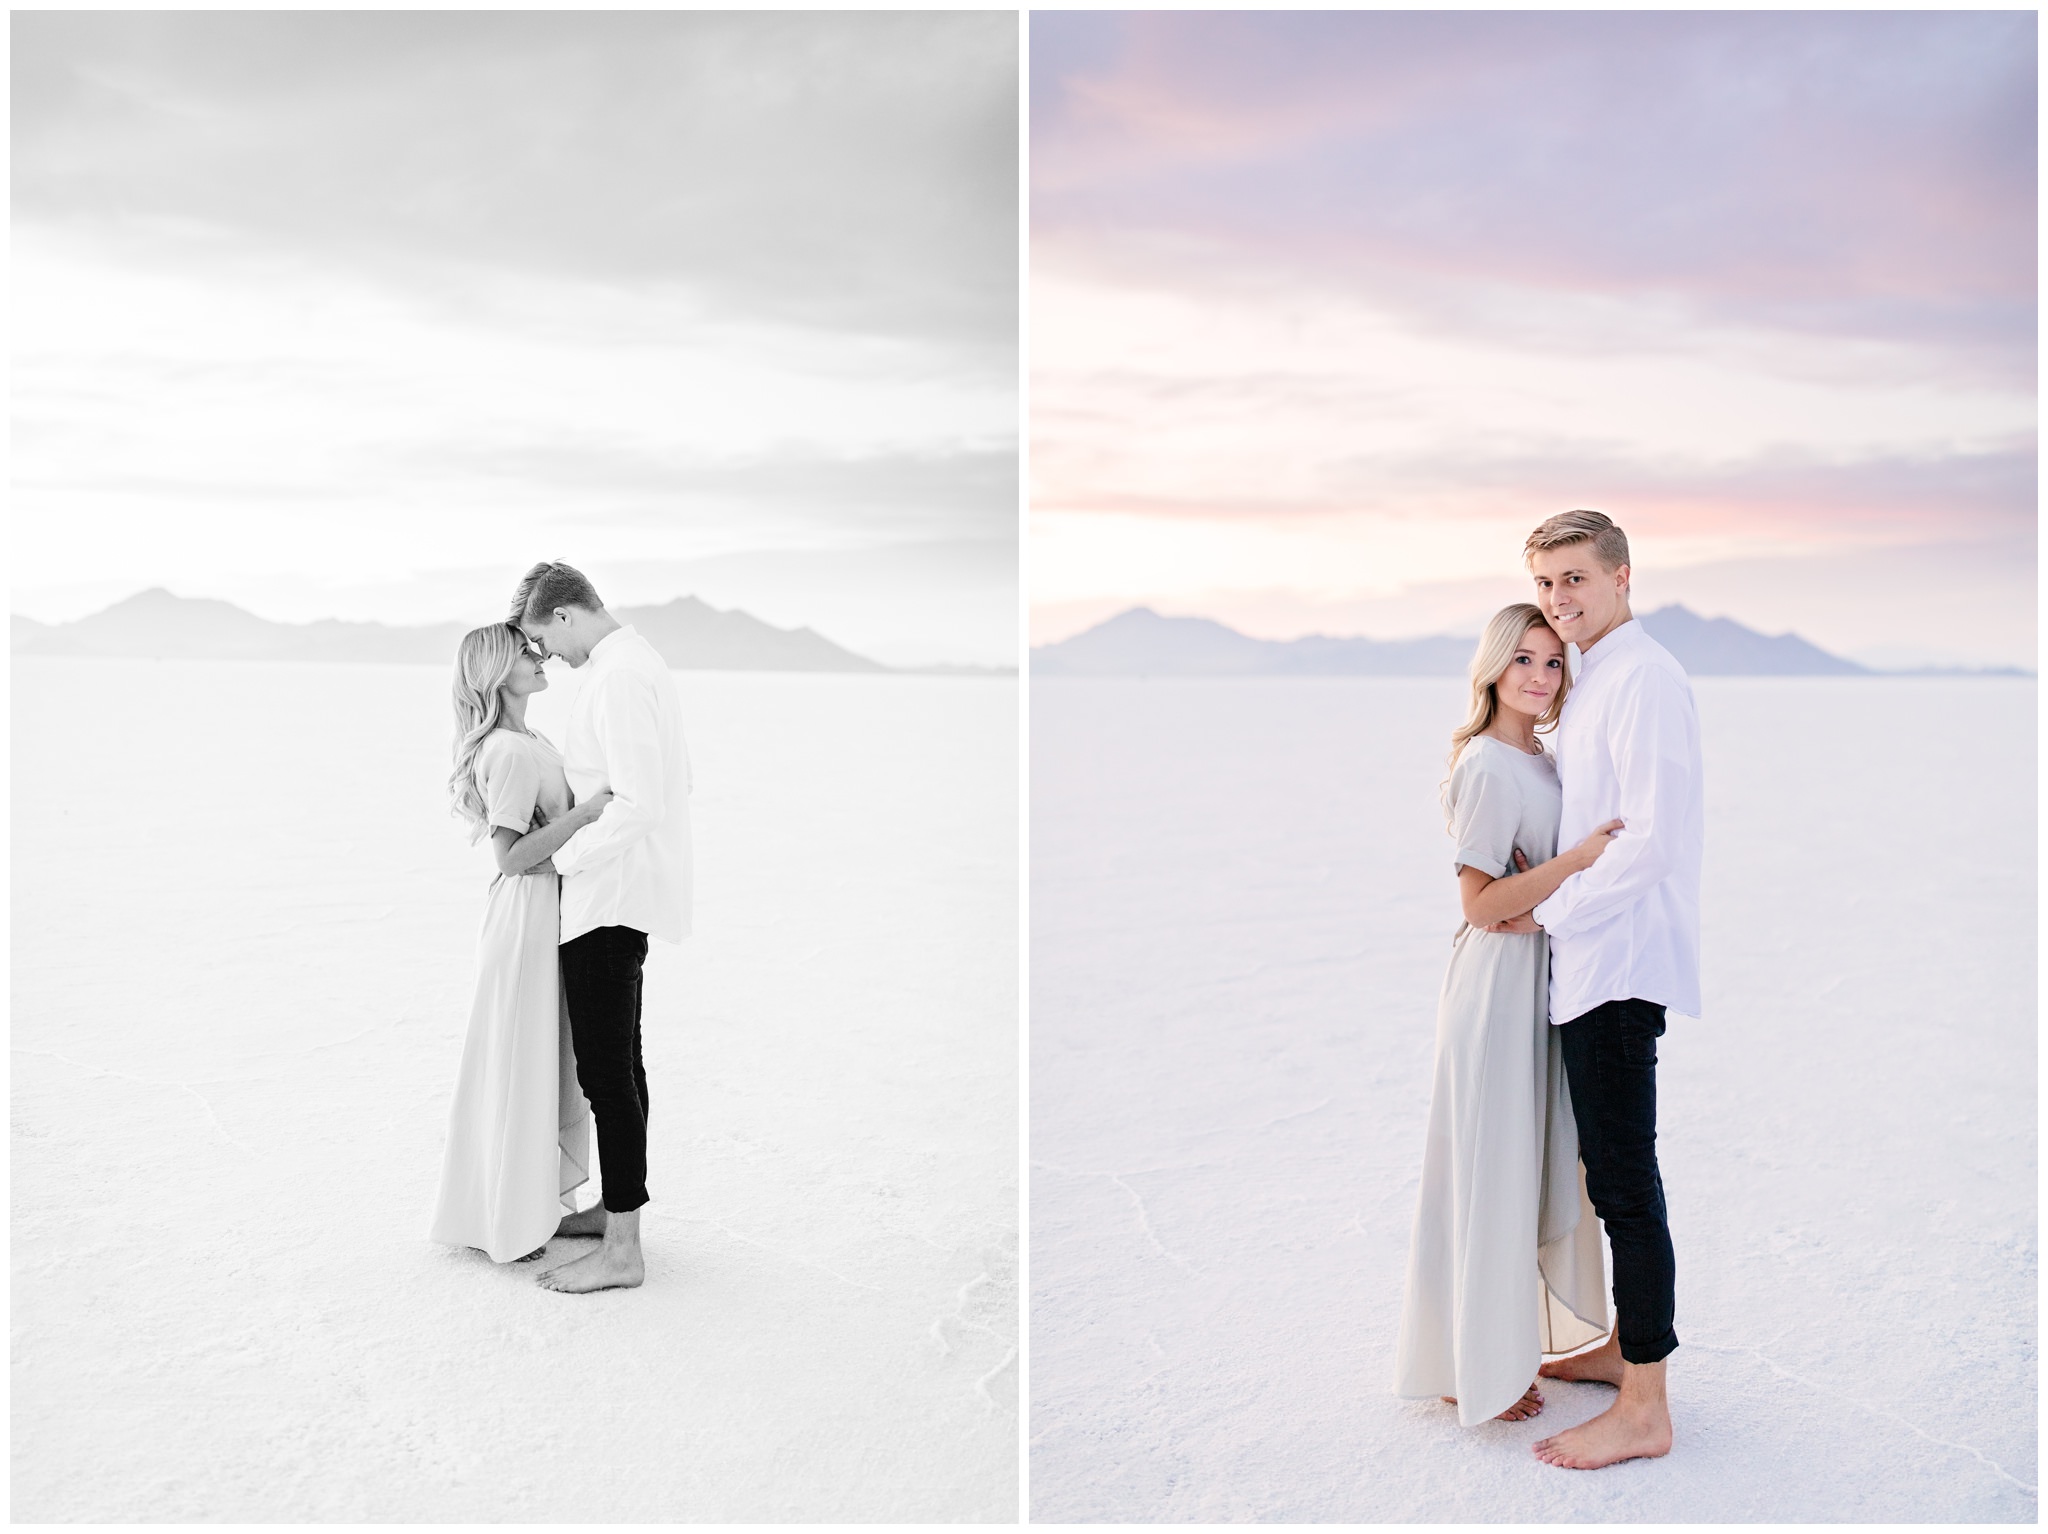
[584,1222]
[1529,1406]
[1636,1426]
[1623,1431]
[1602,1366]
[609,1267]
[614,1265]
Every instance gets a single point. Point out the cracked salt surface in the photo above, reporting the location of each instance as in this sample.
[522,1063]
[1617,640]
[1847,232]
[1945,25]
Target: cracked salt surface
[1241,910]
[242,936]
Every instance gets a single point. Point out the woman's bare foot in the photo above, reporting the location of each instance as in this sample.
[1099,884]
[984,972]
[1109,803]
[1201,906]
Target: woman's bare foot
[1530,1405]
[609,1267]
[535,1255]
[1601,1366]
[584,1222]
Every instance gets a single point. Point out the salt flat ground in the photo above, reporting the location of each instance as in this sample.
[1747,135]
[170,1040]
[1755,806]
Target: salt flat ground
[1241,908]
[243,928]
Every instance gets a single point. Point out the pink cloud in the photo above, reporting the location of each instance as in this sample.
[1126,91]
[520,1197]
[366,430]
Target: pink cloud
[1784,498]
[1859,173]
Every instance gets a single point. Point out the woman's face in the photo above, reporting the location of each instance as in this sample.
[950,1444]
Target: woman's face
[526,675]
[1534,675]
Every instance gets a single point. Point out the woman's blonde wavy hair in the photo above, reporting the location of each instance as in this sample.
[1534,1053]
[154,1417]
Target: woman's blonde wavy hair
[1497,646]
[482,663]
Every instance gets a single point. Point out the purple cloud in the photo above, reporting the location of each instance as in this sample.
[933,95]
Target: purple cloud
[1866,174]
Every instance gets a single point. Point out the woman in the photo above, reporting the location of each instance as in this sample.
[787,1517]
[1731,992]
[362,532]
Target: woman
[1503,1202]
[519,1129]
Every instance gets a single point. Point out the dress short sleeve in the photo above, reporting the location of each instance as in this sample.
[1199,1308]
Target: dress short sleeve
[509,779]
[1486,811]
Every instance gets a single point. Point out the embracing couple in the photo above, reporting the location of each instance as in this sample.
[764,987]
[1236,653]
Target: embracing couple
[1543,1113]
[592,844]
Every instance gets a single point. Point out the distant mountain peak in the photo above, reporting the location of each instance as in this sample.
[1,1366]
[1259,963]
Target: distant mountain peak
[1724,647]
[687,603]
[692,634]
[1133,617]
[158,596]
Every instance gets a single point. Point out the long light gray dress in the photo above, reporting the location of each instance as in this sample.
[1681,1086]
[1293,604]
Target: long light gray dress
[1505,1263]
[518,1128]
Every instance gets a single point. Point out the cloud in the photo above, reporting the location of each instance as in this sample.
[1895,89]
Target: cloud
[1782,497]
[854,171]
[1786,498]
[1865,175]
[836,500]
[159,412]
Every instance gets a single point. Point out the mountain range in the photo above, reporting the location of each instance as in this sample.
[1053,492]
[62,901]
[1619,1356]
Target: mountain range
[1141,642]
[691,636]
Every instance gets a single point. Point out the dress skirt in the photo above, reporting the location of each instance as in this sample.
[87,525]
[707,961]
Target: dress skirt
[1505,1263]
[519,1128]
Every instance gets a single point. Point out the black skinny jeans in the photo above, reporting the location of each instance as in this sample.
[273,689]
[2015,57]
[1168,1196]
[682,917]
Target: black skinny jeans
[601,982]
[1610,1061]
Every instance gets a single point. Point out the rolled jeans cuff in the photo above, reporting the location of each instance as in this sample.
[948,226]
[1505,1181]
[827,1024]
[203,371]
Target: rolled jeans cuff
[1651,1353]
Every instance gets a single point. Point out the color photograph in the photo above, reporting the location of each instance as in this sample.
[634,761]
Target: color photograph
[516,791]
[1533,783]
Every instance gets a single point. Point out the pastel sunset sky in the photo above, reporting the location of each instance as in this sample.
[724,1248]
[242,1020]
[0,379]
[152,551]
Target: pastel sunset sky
[1329,309]
[358,314]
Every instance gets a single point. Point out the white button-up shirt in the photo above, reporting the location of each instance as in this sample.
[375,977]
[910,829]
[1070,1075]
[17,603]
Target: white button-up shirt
[1628,747]
[631,866]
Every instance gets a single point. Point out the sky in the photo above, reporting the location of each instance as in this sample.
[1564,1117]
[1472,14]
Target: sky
[1328,310]
[361,314]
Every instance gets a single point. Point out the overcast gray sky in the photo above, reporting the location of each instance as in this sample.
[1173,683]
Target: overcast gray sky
[357,314]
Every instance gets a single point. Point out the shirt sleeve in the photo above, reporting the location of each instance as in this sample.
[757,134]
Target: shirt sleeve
[1486,811]
[626,718]
[1656,777]
[509,779]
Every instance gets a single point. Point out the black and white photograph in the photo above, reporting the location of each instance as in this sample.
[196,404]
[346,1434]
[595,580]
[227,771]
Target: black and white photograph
[515,766]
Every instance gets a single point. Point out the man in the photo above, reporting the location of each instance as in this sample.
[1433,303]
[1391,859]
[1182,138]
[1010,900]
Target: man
[1624,945]
[624,876]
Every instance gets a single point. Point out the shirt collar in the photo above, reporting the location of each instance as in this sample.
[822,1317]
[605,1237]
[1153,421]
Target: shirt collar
[597,651]
[1620,638]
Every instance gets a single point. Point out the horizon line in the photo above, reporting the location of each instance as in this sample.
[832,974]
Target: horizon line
[933,667]
[687,596]
[1947,668]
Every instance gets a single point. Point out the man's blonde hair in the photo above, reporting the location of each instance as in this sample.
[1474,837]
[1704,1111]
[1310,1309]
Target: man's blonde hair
[1610,543]
[548,586]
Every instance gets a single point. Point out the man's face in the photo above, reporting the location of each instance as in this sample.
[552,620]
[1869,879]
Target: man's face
[1581,599]
[554,635]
